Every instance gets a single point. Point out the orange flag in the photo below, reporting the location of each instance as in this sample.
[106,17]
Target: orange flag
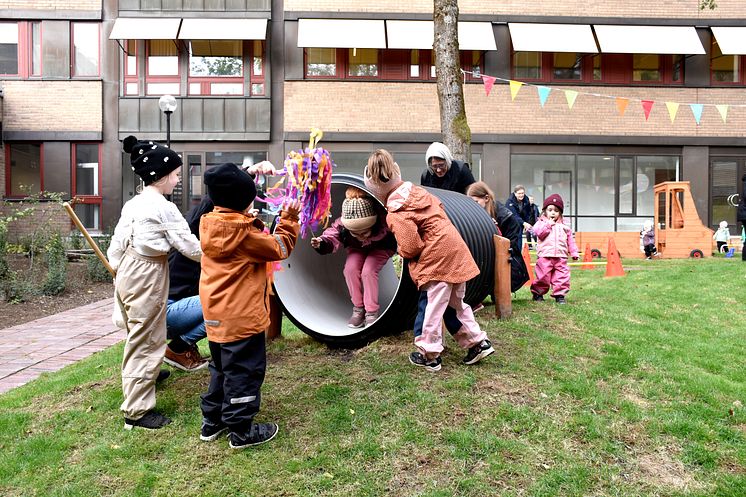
[621,105]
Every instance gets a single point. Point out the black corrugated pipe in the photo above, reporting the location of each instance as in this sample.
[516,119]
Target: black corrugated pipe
[314,296]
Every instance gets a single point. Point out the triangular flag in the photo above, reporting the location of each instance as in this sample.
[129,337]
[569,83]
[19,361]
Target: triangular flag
[488,82]
[697,111]
[673,108]
[647,106]
[621,105]
[514,87]
[571,95]
[723,109]
[543,94]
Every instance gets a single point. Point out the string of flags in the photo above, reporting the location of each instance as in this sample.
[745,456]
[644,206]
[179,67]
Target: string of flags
[621,102]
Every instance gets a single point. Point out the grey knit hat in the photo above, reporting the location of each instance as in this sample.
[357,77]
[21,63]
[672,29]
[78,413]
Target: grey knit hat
[358,214]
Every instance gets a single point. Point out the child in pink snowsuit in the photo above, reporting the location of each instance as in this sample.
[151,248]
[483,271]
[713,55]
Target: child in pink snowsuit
[556,243]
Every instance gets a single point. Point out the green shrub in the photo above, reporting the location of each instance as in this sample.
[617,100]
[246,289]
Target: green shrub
[16,289]
[56,267]
[96,270]
[4,268]
[76,241]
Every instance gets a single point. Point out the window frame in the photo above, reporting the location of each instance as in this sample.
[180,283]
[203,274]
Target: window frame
[22,64]
[72,51]
[741,72]
[87,199]
[30,35]
[8,178]
[163,78]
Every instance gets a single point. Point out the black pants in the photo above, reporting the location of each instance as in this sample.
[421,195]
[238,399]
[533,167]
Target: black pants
[721,245]
[650,250]
[236,376]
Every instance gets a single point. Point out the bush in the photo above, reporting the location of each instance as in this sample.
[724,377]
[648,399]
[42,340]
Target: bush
[56,267]
[4,268]
[15,290]
[96,270]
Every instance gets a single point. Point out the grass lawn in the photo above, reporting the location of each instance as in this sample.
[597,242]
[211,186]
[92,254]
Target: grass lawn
[637,387]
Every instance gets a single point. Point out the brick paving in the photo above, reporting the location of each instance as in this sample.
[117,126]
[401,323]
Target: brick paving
[51,343]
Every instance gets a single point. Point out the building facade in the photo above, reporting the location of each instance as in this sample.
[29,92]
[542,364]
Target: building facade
[598,108]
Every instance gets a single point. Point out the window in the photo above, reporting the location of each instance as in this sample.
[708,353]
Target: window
[321,62]
[35,69]
[216,67]
[527,65]
[568,66]
[726,173]
[646,67]
[162,67]
[85,53]
[724,68]
[362,62]
[87,183]
[8,48]
[414,64]
[597,73]
[257,67]
[24,169]
[131,83]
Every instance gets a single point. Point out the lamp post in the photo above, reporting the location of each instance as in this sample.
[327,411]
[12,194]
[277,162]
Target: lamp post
[167,104]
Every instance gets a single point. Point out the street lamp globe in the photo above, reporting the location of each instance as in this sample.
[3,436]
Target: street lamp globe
[167,103]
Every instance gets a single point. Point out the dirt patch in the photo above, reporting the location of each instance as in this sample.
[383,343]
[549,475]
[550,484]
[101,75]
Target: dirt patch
[79,290]
[661,469]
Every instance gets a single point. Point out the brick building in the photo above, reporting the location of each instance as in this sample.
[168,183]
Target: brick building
[251,77]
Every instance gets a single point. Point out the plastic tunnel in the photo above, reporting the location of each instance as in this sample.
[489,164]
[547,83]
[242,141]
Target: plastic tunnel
[314,296]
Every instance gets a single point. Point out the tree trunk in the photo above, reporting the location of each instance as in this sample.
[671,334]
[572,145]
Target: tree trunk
[453,125]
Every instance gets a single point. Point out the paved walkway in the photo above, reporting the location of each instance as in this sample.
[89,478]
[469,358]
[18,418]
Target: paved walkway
[53,342]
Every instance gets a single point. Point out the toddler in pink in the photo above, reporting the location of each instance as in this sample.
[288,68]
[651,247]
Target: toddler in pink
[555,244]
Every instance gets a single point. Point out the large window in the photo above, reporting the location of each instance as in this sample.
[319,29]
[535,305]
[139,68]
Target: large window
[85,53]
[527,65]
[216,67]
[567,66]
[8,48]
[321,62]
[362,62]
[24,168]
[162,67]
[87,183]
[724,68]
[724,187]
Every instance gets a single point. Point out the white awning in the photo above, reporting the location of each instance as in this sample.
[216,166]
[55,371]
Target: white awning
[420,34]
[341,33]
[532,37]
[223,29]
[731,39]
[649,39]
[145,28]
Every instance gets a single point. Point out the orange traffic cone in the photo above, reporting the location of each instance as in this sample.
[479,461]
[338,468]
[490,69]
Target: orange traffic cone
[587,257]
[527,260]
[613,261]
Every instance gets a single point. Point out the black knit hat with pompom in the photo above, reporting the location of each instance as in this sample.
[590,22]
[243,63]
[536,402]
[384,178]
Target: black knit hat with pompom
[151,161]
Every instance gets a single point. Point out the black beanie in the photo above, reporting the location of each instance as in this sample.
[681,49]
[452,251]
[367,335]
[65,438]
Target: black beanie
[151,161]
[230,186]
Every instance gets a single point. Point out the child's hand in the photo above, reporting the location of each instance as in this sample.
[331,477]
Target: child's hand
[316,242]
[292,207]
[263,167]
[253,212]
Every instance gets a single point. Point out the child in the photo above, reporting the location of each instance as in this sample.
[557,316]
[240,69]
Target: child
[369,246]
[647,240]
[148,228]
[234,293]
[722,236]
[555,243]
[440,263]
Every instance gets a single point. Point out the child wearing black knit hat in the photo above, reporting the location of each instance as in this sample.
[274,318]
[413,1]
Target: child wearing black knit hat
[148,228]
[369,245]
[234,292]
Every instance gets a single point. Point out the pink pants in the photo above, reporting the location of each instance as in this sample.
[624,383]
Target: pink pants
[554,272]
[440,295]
[361,274]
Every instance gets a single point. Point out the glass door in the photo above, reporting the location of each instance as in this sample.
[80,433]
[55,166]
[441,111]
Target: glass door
[725,187]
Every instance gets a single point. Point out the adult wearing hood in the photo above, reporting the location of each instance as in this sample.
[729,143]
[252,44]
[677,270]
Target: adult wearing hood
[444,172]
[741,214]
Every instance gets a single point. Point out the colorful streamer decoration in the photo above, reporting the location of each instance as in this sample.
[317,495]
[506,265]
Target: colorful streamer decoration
[308,178]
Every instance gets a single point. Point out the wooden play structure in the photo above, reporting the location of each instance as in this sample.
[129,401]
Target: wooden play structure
[679,232]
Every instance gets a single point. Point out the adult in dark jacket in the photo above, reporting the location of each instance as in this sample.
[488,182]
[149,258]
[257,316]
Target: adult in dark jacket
[520,206]
[444,172]
[535,214]
[741,213]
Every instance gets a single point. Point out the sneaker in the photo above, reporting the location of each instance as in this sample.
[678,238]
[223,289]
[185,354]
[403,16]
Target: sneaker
[370,318]
[477,308]
[259,434]
[538,298]
[357,320]
[419,360]
[478,352]
[560,299]
[211,431]
[151,421]
[162,375]
[189,360]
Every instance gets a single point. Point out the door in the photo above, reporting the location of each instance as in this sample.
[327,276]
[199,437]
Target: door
[725,187]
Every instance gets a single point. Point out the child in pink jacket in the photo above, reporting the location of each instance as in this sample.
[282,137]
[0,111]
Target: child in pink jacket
[556,244]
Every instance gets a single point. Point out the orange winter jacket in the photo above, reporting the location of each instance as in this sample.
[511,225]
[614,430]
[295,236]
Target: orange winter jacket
[233,286]
[426,237]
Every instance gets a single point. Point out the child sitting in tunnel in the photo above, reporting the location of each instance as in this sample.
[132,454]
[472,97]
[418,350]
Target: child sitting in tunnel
[369,245]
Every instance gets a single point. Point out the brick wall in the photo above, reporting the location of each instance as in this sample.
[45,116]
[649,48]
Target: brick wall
[50,4]
[405,107]
[52,106]
[727,9]
[47,217]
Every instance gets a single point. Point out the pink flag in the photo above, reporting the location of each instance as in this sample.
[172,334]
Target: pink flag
[647,106]
[488,82]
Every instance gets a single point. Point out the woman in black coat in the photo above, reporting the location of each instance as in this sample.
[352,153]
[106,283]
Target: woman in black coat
[519,205]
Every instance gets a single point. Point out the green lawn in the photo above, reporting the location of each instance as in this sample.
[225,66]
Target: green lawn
[637,387]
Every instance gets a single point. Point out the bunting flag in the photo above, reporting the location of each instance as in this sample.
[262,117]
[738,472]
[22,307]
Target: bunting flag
[673,108]
[488,81]
[697,111]
[621,105]
[723,110]
[515,86]
[647,106]
[570,96]
[543,94]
